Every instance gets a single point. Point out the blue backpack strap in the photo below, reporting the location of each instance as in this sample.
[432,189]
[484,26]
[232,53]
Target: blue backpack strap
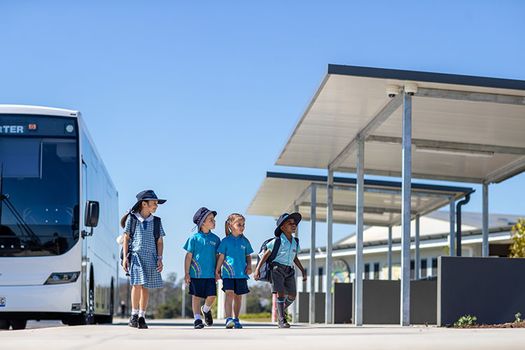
[275,249]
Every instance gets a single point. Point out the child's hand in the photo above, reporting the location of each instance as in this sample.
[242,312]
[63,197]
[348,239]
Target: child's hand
[159,265]
[125,264]
[217,275]
[187,278]
[248,270]
[256,275]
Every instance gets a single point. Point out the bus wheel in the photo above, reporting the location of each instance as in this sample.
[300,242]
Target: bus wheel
[18,324]
[4,324]
[90,314]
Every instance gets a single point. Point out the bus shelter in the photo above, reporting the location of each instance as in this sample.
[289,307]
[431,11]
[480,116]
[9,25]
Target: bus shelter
[285,192]
[409,124]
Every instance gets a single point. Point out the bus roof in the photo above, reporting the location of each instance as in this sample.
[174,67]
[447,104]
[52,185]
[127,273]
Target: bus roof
[40,110]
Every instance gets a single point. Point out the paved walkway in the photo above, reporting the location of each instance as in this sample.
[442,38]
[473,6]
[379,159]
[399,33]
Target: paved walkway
[179,334]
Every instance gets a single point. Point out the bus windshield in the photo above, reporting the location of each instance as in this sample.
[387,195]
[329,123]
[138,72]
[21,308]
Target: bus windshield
[39,195]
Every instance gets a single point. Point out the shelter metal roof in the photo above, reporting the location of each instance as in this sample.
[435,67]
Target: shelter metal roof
[279,193]
[464,128]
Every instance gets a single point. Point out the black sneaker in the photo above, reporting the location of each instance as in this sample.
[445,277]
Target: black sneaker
[198,324]
[283,323]
[142,323]
[208,318]
[134,321]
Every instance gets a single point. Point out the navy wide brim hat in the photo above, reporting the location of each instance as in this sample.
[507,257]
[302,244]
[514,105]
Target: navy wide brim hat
[282,219]
[201,214]
[149,195]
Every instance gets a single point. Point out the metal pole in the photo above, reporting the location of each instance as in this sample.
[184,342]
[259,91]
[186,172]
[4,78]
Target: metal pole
[452,235]
[313,216]
[485,223]
[389,254]
[359,222]
[294,305]
[406,209]
[183,312]
[329,227]
[417,263]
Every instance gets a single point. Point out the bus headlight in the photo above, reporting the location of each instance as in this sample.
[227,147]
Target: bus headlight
[62,277]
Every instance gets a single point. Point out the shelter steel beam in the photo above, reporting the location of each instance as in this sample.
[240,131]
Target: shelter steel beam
[452,235]
[450,146]
[329,239]
[313,216]
[471,96]
[485,221]
[359,266]
[389,253]
[417,262]
[509,170]
[376,121]
[406,206]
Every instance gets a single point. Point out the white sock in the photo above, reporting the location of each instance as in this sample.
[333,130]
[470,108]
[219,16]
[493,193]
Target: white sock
[197,316]
[134,311]
[206,308]
[142,313]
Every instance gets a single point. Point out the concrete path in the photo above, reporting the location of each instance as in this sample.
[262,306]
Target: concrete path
[179,334]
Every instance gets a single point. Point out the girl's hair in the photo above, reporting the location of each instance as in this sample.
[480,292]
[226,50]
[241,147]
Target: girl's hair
[135,209]
[230,220]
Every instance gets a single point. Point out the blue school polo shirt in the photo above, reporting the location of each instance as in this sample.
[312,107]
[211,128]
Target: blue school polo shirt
[287,251]
[203,247]
[235,250]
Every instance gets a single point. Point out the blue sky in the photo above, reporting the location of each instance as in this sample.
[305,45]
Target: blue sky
[196,99]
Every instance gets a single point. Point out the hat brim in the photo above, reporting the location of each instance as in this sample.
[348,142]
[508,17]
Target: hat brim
[160,201]
[199,224]
[295,216]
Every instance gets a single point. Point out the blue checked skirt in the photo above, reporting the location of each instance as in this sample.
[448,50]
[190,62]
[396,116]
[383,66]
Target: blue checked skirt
[143,269]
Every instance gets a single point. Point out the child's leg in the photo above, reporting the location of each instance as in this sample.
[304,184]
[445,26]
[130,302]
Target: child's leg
[290,298]
[237,301]
[228,302]
[196,306]
[144,298]
[135,299]
[208,302]
[280,305]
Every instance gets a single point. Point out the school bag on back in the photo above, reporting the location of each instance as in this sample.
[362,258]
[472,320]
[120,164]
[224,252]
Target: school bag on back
[265,271]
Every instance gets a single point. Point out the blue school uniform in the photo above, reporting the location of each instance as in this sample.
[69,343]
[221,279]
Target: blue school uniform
[235,250]
[203,247]
[143,267]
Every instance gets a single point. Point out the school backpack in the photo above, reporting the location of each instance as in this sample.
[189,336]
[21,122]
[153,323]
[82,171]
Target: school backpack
[133,226]
[265,271]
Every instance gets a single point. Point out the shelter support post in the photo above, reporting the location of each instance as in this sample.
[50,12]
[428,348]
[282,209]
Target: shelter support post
[406,208]
[452,235]
[417,262]
[329,228]
[485,223]
[389,253]
[293,307]
[313,217]
[360,183]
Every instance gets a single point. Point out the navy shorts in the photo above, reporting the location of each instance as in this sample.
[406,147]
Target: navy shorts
[203,287]
[238,285]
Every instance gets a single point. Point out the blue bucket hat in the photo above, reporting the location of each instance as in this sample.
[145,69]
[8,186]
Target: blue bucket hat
[149,195]
[201,214]
[282,219]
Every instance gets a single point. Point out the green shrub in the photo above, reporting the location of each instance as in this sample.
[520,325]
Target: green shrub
[466,321]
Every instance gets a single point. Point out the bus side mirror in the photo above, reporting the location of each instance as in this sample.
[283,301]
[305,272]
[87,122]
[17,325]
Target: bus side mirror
[92,213]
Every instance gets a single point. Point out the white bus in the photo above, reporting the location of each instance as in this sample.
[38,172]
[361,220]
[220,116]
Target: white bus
[58,220]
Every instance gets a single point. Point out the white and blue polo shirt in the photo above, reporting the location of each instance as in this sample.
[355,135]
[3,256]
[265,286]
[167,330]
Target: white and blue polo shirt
[287,251]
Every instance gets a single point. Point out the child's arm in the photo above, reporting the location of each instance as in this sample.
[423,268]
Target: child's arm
[160,248]
[187,263]
[125,246]
[265,257]
[248,264]
[220,260]
[300,266]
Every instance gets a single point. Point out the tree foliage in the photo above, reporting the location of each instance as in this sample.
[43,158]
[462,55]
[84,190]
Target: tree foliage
[517,248]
